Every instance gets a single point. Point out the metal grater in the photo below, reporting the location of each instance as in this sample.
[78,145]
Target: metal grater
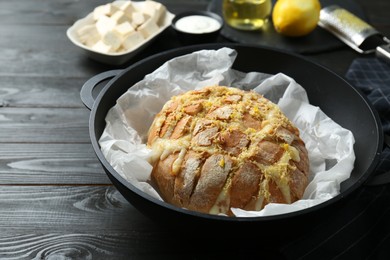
[355,32]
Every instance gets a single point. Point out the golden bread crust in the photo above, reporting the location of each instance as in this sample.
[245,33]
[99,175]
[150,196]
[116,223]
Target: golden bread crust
[222,147]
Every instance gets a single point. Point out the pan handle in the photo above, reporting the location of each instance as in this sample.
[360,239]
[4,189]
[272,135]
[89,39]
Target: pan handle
[383,178]
[86,93]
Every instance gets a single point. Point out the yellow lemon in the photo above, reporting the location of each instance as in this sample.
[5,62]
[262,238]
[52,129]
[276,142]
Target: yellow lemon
[296,17]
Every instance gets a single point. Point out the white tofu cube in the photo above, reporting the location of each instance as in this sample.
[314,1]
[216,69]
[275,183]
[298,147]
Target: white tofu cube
[113,39]
[104,10]
[124,29]
[87,29]
[155,10]
[100,46]
[105,24]
[128,8]
[118,3]
[138,18]
[119,17]
[133,40]
[88,34]
[148,29]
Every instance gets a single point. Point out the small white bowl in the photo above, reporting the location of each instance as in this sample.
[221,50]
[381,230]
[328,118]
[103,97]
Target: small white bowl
[116,58]
[205,35]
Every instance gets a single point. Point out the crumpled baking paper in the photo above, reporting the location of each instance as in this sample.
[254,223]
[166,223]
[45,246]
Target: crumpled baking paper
[123,141]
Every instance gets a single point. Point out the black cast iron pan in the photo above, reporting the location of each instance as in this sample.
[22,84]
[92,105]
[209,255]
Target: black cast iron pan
[339,100]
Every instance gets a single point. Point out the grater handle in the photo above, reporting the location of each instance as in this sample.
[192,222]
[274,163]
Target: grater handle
[383,52]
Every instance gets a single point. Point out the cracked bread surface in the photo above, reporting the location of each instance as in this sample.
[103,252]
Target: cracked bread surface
[220,147]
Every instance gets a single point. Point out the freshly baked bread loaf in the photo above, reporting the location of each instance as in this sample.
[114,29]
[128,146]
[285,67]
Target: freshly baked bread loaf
[220,147]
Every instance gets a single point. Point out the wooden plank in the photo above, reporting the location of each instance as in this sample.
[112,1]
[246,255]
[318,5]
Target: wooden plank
[40,125]
[45,12]
[132,245]
[47,53]
[50,164]
[89,246]
[41,92]
[95,209]
[92,223]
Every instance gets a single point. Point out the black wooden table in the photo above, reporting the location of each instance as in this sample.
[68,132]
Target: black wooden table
[55,199]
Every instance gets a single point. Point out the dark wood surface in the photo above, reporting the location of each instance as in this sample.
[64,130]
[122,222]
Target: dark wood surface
[55,199]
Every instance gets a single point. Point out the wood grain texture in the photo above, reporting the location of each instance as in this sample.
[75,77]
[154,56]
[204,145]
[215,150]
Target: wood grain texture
[45,12]
[42,51]
[97,209]
[50,164]
[129,246]
[84,246]
[40,125]
[48,92]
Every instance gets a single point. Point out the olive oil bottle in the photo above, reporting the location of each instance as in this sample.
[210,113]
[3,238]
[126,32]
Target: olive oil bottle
[246,14]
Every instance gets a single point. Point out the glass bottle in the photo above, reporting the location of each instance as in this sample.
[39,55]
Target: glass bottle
[246,14]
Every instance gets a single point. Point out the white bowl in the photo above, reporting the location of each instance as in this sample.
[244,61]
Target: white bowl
[116,58]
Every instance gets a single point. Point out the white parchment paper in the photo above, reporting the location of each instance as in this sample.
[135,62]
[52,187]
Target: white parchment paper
[123,141]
